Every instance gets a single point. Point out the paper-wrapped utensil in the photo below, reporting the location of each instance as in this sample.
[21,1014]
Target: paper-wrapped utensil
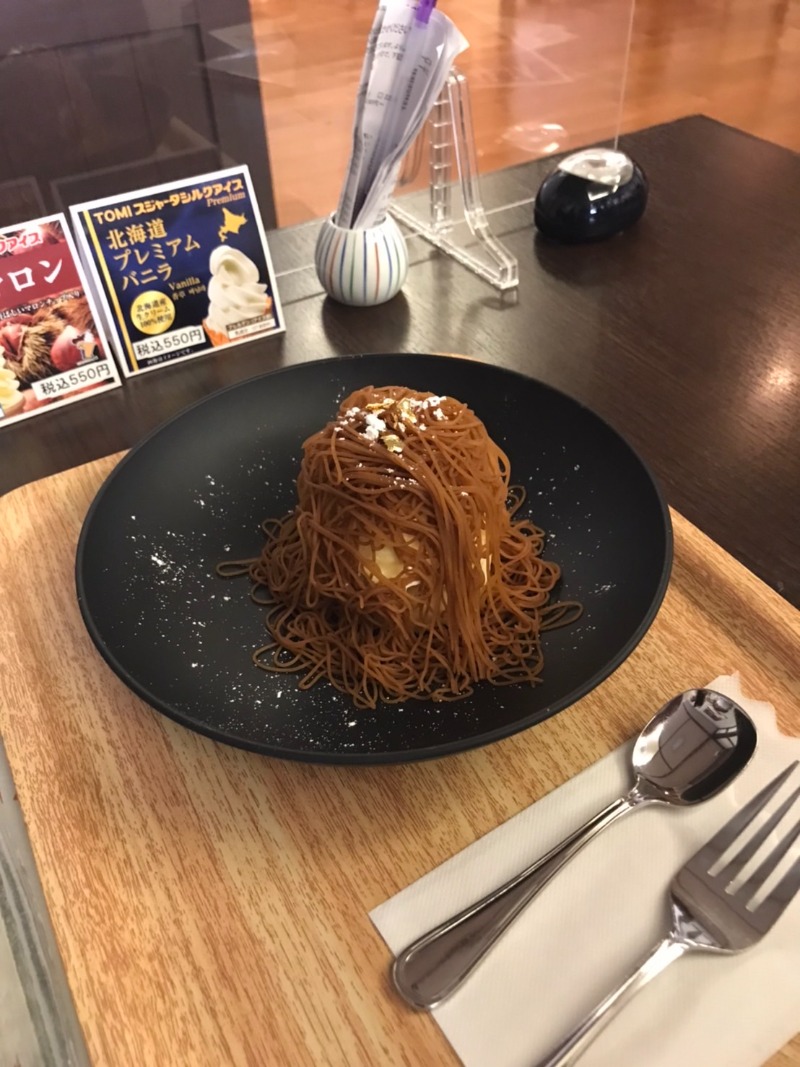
[409,54]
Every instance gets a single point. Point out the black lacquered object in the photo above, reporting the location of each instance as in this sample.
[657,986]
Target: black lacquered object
[590,195]
[195,492]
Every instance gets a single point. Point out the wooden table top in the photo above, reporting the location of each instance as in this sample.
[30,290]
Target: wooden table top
[683,333]
[211,905]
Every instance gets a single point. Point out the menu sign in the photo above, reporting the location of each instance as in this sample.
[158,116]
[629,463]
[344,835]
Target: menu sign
[52,348]
[184,267]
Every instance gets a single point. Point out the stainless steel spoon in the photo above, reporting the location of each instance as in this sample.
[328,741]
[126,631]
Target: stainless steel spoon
[693,747]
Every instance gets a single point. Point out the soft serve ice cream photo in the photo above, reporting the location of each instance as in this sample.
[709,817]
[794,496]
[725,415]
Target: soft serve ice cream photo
[238,301]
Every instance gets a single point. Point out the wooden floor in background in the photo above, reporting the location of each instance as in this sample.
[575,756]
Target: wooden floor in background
[545,75]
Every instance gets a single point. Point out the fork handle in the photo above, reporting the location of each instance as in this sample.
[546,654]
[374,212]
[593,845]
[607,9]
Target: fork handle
[436,964]
[577,1041]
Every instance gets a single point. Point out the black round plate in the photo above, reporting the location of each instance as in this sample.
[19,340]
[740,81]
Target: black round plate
[195,491]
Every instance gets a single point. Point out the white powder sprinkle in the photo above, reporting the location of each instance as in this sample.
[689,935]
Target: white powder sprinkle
[374,426]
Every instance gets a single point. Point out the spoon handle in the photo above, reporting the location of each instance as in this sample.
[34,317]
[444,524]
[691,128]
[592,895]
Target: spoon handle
[436,964]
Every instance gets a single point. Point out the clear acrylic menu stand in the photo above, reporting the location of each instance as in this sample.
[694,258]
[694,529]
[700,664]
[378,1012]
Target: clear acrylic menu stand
[454,219]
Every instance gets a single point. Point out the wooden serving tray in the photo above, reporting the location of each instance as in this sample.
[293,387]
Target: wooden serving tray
[210,905]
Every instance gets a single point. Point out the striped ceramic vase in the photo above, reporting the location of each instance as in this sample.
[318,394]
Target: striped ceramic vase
[361,267]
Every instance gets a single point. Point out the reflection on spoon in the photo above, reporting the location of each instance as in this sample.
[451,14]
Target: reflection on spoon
[693,747]
[686,751]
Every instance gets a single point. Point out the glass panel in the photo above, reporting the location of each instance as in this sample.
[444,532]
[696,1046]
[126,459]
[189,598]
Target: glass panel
[530,70]
[102,97]
[109,98]
[105,98]
[543,77]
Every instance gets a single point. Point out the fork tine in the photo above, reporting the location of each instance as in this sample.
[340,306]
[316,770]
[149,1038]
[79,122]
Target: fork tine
[707,856]
[740,860]
[765,869]
[787,888]
[773,906]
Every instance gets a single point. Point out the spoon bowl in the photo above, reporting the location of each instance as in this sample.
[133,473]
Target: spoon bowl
[691,749]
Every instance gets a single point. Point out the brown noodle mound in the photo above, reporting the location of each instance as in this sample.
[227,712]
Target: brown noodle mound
[403,572]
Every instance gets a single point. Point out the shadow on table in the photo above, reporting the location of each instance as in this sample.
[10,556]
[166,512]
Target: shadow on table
[388,323]
[597,264]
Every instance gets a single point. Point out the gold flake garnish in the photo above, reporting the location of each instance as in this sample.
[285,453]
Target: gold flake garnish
[407,411]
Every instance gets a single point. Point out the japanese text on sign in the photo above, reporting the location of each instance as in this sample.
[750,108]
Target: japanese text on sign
[213,193]
[73,379]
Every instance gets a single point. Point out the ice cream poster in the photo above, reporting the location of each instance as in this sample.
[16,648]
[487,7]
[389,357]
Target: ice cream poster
[52,348]
[184,267]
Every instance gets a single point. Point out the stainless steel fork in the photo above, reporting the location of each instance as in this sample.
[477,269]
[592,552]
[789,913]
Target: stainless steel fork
[708,915]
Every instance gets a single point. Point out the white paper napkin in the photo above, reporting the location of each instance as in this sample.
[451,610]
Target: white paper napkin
[598,918]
